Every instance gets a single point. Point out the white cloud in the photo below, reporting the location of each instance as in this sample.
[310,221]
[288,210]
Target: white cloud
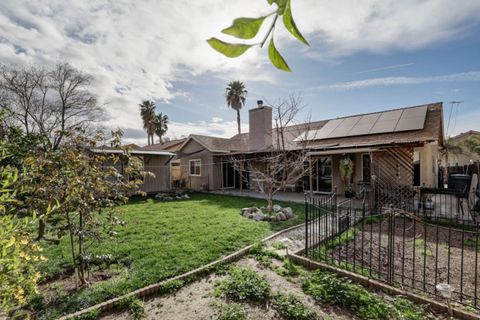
[137,49]
[391,81]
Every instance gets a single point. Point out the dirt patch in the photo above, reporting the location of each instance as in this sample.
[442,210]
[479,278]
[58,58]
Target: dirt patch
[196,300]
[423,255]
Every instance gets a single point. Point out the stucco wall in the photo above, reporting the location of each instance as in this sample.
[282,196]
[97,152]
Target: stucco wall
[428,156]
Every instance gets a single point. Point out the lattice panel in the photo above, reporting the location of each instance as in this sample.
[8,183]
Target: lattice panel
[393,185]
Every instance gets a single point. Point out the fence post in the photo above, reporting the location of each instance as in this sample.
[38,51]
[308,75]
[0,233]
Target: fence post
[306,226]
[391,241]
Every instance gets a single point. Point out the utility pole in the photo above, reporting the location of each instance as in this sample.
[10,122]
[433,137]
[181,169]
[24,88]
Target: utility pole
[452,105]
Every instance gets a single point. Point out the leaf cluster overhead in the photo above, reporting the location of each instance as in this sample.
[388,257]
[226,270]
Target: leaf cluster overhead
[248,28]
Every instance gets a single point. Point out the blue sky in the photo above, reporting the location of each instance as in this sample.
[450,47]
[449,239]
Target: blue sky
[364,56]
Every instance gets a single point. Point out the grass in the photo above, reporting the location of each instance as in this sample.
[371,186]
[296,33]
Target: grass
[161,240]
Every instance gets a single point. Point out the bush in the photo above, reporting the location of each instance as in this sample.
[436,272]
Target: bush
[244,285]
[134,305]
[233,311]
[291,308]
[289,269]
[329,288]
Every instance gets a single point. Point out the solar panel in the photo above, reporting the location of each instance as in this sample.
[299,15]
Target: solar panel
[412,119]
[344,128]
[380,122]
[325,131]
[364,125]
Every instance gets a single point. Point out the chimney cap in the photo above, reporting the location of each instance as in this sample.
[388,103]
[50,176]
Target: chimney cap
[259,103]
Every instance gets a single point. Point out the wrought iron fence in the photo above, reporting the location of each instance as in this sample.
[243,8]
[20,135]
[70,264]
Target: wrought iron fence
[417,238]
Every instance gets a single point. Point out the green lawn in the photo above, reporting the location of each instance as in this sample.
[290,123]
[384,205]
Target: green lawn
[164,239]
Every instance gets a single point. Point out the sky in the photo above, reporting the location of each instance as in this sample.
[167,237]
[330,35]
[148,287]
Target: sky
[364,56]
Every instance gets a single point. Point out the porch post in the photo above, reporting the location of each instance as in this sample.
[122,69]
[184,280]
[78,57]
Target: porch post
[221,173]
[241,176]
[310,177]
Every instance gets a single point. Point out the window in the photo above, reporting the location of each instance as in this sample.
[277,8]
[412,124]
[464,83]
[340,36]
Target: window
[366,174]
[195,167]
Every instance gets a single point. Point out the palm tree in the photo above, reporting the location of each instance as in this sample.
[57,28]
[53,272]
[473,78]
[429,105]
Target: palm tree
[147,111]
[450,147]
[472,144]
[161,125]
[235,95]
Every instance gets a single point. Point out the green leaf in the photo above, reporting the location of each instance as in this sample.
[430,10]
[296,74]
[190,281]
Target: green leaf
[275,57]
[244,28]
[282,4]
[231,50]
[291,26]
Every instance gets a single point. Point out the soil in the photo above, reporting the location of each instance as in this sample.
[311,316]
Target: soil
[423,256]
[197,300]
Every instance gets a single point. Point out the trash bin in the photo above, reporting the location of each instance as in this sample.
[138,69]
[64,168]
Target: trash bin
[459,182]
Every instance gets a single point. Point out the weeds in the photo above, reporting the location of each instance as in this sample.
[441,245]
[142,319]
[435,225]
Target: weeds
[134,306]
[290,307]
[243,285]
[233,311]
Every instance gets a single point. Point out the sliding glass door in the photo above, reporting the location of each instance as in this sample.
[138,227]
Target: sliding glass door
[321,175]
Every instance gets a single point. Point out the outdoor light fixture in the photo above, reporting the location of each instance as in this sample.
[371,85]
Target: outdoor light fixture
[446,291]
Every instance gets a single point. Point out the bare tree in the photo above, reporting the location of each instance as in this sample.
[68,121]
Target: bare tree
[288,161]
[50,102]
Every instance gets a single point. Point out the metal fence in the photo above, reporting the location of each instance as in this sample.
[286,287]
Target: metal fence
[417,239]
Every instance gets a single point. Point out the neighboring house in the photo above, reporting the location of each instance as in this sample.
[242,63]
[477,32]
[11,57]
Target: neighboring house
[465,156]
[397,147]
[156,162]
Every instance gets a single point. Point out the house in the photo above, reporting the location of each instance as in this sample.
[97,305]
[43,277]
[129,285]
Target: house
[465,156]
[156,162]
[397,147]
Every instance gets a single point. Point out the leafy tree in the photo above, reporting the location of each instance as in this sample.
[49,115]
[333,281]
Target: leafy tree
[19,255]
[87,187]
[472,144]
[161,125]
[147,112]
[247,28]
[235,94]
[450,147]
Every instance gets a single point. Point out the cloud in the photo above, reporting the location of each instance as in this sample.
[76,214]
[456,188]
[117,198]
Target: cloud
[395,66]
[137,49]
[215,127]
[393,81]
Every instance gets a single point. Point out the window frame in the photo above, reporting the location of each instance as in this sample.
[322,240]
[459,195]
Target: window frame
[199,167]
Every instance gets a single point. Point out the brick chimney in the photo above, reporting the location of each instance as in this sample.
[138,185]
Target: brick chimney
[260,127]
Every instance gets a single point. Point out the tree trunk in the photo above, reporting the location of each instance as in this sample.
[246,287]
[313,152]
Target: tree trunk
[41,229]
[238,121]
[81,269]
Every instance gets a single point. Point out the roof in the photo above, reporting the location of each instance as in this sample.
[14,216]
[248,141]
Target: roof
[432,131]
[465,135]
[172,145]
[133,151]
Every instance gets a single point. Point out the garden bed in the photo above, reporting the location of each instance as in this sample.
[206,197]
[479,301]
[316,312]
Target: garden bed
[423,255]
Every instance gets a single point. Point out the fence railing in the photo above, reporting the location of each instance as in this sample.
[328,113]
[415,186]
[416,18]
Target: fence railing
[417,238]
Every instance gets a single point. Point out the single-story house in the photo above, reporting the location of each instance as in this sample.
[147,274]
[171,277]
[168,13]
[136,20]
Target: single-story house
[157,162]
[398,147]
[463,157]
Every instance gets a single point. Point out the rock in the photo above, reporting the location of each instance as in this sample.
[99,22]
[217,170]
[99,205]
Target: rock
[186,196]
[276,208]
[244,211]
[258,216]
[288,210]
[168,198]
[249,215]
[266,218]
[281,216]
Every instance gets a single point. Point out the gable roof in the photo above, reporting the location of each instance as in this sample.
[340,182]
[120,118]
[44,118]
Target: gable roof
[239,143]
[172,145]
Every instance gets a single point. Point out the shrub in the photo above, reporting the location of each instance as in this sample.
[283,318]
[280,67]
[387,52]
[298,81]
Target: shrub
[279,245]
[134,305]
[289,269]
[244,285]
[290,307]
[90,315]
[233,311]
[329,288]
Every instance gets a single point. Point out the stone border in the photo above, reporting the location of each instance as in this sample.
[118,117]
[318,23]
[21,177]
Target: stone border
[365,281]
[154,288]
